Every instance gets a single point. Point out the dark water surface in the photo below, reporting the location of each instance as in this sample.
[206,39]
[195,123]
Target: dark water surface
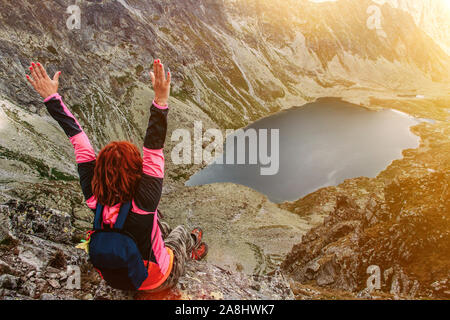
[321,144]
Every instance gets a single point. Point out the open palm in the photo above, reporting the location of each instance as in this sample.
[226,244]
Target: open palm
[41,82]
[161,83]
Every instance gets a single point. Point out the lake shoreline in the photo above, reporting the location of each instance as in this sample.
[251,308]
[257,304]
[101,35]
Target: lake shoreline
[346,121]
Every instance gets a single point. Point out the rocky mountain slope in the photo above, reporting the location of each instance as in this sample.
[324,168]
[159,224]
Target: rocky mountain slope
[432,16]
[233,62]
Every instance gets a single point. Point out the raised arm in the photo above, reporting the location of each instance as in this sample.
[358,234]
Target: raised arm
[150,188]
[84,153]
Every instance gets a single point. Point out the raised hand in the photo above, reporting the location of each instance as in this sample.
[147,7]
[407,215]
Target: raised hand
[161,84]
[41,82]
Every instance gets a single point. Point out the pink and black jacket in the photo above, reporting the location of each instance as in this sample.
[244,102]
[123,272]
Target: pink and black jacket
[142,221]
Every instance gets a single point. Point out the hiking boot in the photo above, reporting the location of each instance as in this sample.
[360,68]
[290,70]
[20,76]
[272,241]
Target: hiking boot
[200,253]
[197,234]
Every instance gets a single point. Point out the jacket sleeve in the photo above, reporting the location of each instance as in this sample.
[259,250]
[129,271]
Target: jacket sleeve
[84,153]
[149,191]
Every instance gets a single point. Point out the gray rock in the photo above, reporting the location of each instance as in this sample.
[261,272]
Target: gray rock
[32,256]
[54,283]
[52,270]
[12,295]
[4,222]
[88,297]
[8,281]
[48,296]
[83,214]
[28,289]
[5,267]
[364,294]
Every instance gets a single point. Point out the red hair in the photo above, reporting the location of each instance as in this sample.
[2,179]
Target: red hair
[117,173]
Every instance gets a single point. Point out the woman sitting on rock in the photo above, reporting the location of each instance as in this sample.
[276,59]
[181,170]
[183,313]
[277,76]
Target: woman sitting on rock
[120,175]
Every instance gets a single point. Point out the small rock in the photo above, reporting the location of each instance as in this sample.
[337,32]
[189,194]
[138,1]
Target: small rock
[31,273]
[54,283]
[83,214]
[4,266]
[88,297]
[28,256]
[48,296]
[255,287]
[8,281]
[28,289]
[52,270]
[365,294]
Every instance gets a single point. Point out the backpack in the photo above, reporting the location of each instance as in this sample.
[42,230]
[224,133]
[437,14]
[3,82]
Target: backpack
[114,253]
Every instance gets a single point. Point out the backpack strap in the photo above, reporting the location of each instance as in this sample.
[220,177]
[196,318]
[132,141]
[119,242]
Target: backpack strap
[98,217]
[123,214]
[120,222]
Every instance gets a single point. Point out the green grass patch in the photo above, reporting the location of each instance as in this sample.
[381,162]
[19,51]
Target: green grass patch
[36,164]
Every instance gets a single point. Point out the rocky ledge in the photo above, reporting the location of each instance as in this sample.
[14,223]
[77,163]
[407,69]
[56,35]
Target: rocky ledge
[38,252]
